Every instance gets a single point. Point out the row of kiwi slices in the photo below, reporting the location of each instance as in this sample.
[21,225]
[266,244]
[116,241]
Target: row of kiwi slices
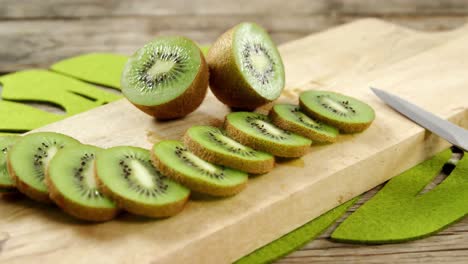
[168,78]
[95,184]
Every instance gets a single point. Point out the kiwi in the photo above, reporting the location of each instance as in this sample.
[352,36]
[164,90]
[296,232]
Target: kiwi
[28,159]
[346,113]
[127,175]
[289,117]
[167,78]
[256,131]
[246,70]
[6,182]
[173,159]
[70,178]
[212,144]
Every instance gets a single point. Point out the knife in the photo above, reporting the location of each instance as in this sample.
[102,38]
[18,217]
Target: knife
[443,128]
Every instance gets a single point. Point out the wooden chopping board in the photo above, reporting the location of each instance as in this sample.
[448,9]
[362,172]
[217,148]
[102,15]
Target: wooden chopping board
[428,69]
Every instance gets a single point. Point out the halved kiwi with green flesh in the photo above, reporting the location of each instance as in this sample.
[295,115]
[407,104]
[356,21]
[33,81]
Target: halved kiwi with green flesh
[6,182]
[127,175]
[173,159]
[290,118]
[346,113]
[167,78]
[72,185]
[246,70]
[28,159]
[256,131]
[212,144]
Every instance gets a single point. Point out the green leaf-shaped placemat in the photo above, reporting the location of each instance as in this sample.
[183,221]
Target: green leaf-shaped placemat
[399,212]
[99,68]
[19,118]
[297,238]
[70,94]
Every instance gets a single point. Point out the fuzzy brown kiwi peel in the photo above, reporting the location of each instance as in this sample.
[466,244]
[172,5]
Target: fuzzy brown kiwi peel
[167,78]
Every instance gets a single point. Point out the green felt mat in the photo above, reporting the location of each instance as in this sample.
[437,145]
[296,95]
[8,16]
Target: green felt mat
[399,212]
[395,214]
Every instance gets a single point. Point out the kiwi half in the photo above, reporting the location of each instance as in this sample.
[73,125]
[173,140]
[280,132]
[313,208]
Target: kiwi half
[212,144]
[256,131]
[289,117]
[28,159]
[167,78]
[173,159]
[246,70]
[72,185]
[346,113]
[127,175]
[6,182]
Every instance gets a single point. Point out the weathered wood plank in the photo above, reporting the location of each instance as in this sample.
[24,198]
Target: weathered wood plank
[39,43]
[20,9]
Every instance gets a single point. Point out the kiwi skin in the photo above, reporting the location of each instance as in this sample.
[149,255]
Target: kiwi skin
[346,128]
[226,80]
[192,184]
[185,103]
[291,126]
[76,210]
[279,150]
[141,209]
[253,167]
[24,188]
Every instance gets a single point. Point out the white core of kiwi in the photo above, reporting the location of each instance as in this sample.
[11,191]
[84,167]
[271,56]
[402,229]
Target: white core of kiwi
[142,174]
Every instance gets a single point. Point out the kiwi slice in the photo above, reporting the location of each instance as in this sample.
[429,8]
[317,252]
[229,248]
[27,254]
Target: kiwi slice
[6,182]
[28,159]
[127,175]
[173,159]
[289,117]
[346,113]
[212,144]
[167,78]
[246,70]
[70,178]
[256,131]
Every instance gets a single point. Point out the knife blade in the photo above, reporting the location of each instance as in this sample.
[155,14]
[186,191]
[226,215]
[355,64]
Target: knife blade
[443,128]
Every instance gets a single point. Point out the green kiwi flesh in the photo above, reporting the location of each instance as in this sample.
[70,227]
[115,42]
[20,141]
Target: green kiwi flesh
[28,159]
[167,78]
[348,114]
[72,184]
[127,175]
[212,144]
[173,159]
[289,117]
[246,69]
[6,182]
[256,131]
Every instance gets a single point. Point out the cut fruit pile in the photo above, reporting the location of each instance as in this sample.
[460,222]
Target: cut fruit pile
[95,184]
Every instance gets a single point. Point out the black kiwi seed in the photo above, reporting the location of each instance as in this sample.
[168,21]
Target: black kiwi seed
[257,48]
[133,184]
[181,154]
[317,125]
[345,104]
[163,79]
[261,128]
[213,135]
[86,191]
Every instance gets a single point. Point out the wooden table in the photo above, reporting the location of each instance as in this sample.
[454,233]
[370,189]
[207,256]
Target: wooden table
[35,34]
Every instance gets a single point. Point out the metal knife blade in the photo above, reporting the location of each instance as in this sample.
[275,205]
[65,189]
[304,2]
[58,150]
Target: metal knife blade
[443,128]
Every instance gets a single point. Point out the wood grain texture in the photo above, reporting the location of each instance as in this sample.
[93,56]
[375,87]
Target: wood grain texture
[43,32]
[413,64]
